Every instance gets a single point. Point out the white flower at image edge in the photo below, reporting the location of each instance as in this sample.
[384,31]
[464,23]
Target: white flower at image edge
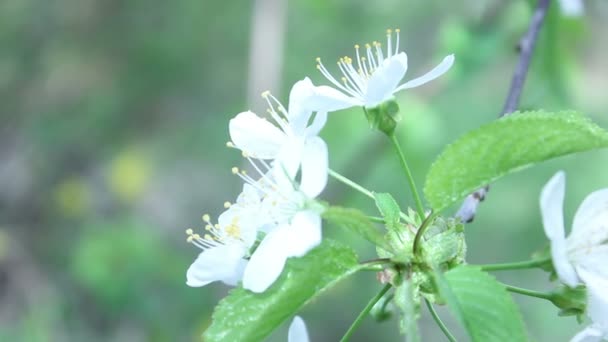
[294,145]
[372,78]
[583,256]
[297,331]
[572,8]
[226,243]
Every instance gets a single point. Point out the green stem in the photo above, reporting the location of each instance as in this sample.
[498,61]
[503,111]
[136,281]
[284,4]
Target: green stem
[530,293]
[515,265]
[439,322]
[376,219]
[352,184]
[364,313]
[408,173]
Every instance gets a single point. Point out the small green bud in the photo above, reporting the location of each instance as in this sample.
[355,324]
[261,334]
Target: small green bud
[571,301]
[383,117]
[444,244]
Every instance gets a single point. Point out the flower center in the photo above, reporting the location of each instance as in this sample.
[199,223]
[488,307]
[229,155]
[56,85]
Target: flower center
[354,79]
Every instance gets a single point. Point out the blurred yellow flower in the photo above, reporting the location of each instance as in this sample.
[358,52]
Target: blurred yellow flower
[129,175]
[72,197]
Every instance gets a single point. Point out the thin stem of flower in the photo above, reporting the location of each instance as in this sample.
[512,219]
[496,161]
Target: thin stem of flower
[439,322]
[350,183]
[364,313]
[530,293]
[408,174]
[515,265]
[376,219]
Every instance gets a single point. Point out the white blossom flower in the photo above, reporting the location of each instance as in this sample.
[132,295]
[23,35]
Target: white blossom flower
[226,243]
[586,249]
[583,256]
[297,331]
[572,8]
[294,144]
[372,78]
[292,223]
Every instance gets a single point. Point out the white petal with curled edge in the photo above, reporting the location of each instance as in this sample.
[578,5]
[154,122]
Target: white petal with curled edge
[256,136]
[590,225]
[315,166]
[437,71]
[328,99]
[305,233]
[268,260]
[589,334]
[297,331]
[298,111]
[317,124]
[385,79]
[552,206]
[597,303]
[222,263]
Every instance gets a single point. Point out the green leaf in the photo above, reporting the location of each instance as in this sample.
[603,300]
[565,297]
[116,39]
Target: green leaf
[481,304]
[389,209]
[504,146]
[357,222]
[247,316]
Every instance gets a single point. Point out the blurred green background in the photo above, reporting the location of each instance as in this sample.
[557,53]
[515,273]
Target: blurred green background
[113,130]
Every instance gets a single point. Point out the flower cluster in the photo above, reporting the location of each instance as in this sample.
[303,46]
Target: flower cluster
[582,258]
[276,216]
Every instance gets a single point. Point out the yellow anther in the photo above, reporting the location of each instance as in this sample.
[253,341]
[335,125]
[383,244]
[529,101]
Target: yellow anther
[233,231]
[367,46]
[397,30]
[208,227]
[356,46]
[245,154]
[216,226]
[389,31]
[243,172]
[189,231]
[234,170]
[227,204]
[266,93]
[190,239]
[206,237]
[318,59]
[318,67]
[206,218]
[229,144]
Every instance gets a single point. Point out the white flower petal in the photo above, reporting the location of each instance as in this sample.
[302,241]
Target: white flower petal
[592,258]
[317,124]
[552,206]
[256,136]
[572,8]
[222,263]
[297,331]
[328,99]
[314,167]
[589,334]
[299,111]
[304,232]
[288,160]
[439,70]
[385,79]
[268,260]
[590,225]
[597,303]
[563,267]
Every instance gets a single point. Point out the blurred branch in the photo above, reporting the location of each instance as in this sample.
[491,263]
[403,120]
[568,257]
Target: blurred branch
[526,46]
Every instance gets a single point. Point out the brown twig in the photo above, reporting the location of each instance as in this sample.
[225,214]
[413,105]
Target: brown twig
[526,46]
